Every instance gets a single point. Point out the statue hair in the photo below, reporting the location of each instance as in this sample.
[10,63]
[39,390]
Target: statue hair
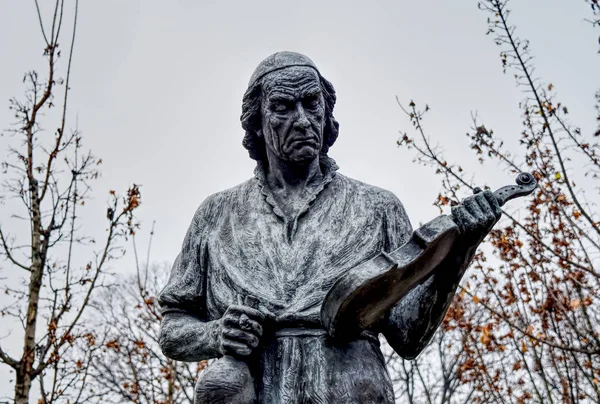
[251,119]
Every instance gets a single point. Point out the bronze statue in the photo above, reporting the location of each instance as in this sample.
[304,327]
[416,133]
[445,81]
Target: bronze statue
[260,259]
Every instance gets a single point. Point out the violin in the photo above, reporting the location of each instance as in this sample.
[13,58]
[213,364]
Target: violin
[365,293]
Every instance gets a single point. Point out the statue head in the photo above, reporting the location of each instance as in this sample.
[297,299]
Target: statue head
[288,108]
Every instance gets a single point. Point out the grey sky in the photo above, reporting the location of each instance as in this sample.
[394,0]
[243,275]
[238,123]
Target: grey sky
[157,89]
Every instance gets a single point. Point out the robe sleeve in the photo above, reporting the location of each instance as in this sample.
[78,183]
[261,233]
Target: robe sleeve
[185,291]
[397,227]
[186,334]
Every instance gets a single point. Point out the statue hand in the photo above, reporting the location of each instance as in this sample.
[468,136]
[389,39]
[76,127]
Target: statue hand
[240,330]
[477,215]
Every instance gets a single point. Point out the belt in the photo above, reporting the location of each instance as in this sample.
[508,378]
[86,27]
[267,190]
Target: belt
[315,332]
[300,332]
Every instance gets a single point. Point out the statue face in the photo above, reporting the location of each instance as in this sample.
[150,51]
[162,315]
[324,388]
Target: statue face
[293,114]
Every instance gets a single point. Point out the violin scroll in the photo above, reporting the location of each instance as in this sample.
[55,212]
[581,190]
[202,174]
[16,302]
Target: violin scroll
[526,183]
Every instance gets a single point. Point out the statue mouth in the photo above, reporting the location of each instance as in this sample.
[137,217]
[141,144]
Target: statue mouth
[309,141]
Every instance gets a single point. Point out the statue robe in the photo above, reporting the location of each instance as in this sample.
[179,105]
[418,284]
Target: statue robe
[240,244]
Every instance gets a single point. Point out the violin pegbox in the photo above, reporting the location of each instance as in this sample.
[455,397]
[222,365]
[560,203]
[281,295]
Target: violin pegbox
[525,184]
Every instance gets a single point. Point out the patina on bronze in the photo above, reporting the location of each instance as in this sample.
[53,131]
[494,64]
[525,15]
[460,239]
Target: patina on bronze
[259,260]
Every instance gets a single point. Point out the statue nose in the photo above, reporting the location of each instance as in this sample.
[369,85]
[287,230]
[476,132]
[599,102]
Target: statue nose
[302,121]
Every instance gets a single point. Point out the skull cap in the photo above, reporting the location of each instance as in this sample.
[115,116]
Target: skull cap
[278,61]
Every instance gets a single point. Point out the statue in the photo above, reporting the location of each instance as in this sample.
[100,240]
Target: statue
[260,259]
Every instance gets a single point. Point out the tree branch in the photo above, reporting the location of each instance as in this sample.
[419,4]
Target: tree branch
[4,357]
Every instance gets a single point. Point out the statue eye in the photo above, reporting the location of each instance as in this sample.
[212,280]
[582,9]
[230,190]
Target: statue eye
[311,101]
[281,106]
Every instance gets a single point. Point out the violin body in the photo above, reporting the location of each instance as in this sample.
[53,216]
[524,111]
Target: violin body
[366,292]
[369,290]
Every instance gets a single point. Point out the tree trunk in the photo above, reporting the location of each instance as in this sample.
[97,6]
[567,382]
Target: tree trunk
[172,379]
[25,370]
[22,386]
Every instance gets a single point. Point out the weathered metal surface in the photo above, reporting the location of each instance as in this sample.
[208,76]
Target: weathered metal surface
[259,259]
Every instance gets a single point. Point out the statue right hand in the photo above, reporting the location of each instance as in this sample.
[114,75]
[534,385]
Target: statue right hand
[240,331]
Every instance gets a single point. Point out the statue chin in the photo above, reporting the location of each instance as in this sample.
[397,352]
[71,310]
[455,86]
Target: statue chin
[303,155]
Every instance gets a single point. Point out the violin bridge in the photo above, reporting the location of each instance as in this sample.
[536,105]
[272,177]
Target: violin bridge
[390,259]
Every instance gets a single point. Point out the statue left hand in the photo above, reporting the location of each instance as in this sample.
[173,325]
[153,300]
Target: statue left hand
[477,215]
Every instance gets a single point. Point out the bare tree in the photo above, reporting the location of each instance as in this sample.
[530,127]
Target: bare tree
[526,325]
[434,376]
[130,367]
[595,9]
[441,373]
[48,176]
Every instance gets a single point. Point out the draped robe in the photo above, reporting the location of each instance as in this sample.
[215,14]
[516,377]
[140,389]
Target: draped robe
[241,244]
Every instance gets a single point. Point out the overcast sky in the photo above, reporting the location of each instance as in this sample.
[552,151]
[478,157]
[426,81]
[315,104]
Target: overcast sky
[157,89]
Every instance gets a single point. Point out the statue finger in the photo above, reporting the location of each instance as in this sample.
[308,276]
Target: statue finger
[494,204]
[230,321]
[254,314]
[252,326]
[233,347]
[247,324]
[240,336]
[472,206]
[474,216]
[486,209]
[230,318]
[235,309]
[457,216]
[464,218]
